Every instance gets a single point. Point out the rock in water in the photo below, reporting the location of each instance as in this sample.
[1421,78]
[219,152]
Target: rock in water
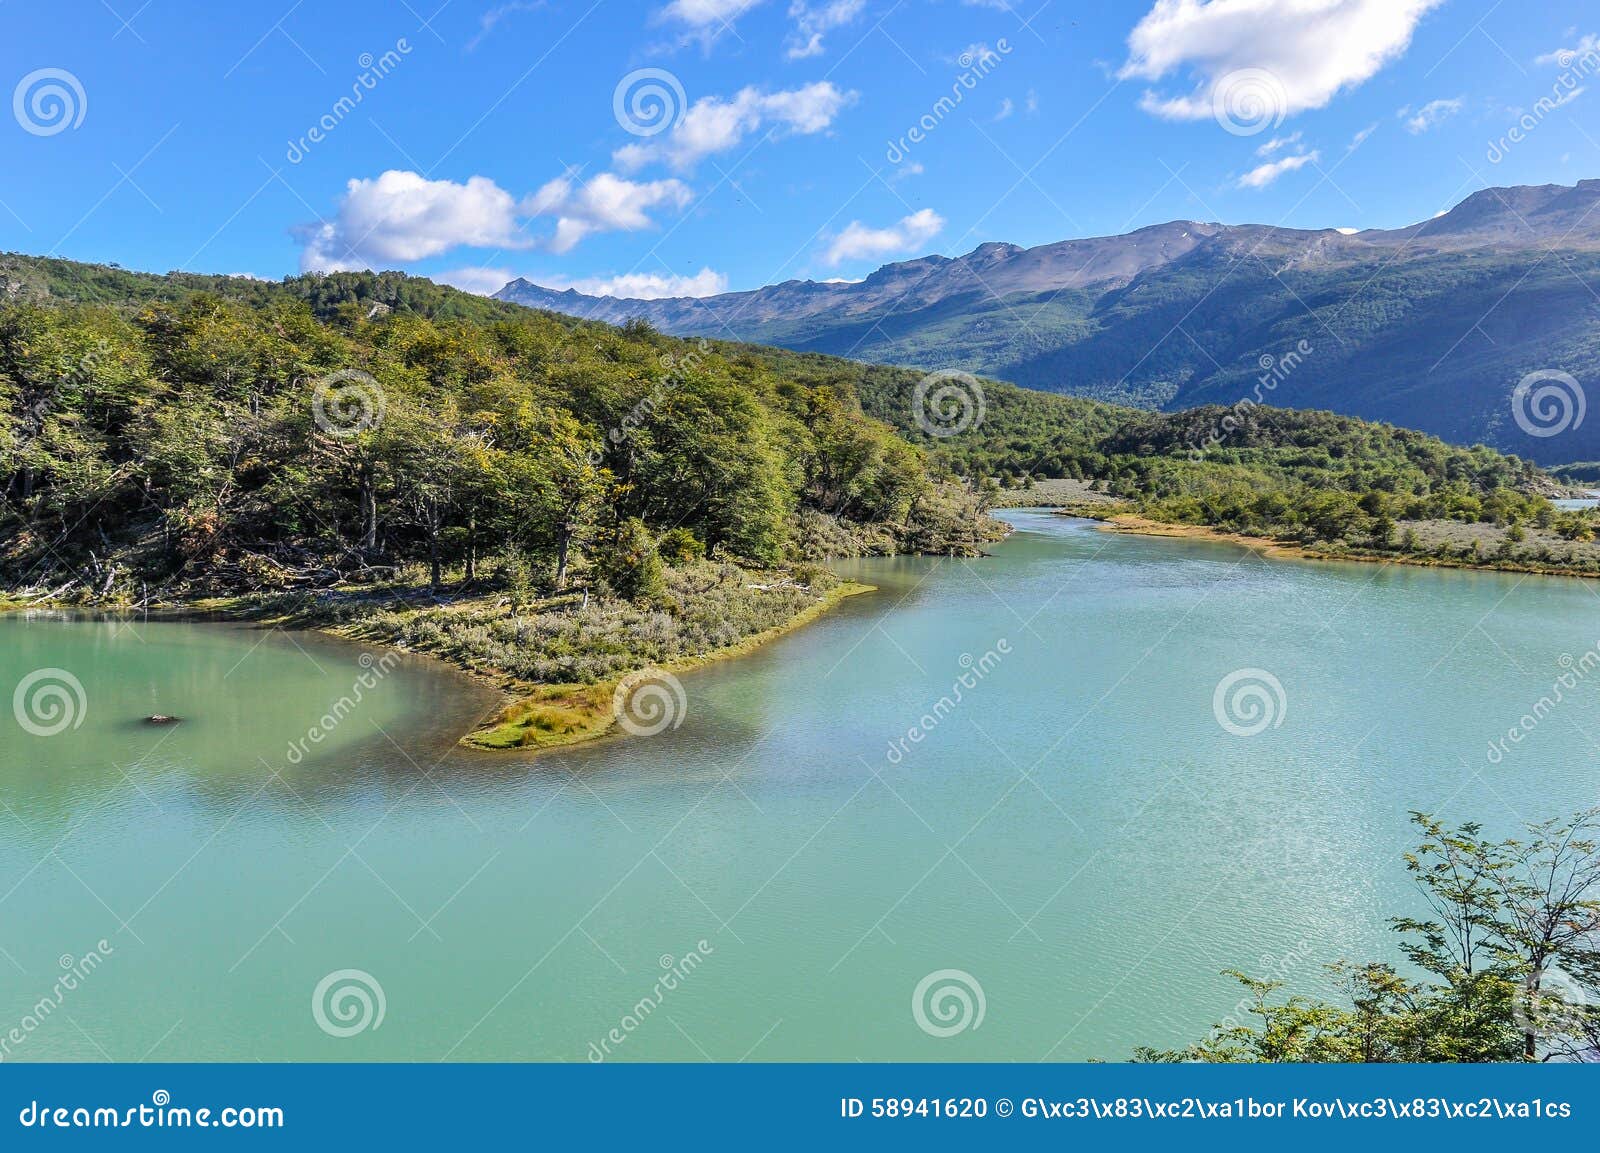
[161,719]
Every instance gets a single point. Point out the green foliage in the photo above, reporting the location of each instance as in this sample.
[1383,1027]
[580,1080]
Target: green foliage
[680,546]
[173,422]
[1507,963]
[627,561]
[224,433]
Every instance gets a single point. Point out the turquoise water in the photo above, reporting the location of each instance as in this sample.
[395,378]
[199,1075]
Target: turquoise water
[1079,835]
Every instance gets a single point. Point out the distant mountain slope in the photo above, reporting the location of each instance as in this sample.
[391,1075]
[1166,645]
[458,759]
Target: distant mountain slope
[1431,325]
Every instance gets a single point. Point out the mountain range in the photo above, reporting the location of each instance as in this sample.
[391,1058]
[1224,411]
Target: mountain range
[1431,326]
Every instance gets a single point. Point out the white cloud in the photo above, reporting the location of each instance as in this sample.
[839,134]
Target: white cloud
[859,242]
[714,125]
[403,216]
[1565,57]
[1265,174]
[1360,137]
[479,281]
[1432,113]
[813,21]
[492,19]
[1278,143]
[707,14]
[645,285]
[906,171]
[607,203]
[1308,49]
[1007,107]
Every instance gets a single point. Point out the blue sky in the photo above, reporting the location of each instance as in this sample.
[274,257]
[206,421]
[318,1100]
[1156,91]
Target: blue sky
[693,145]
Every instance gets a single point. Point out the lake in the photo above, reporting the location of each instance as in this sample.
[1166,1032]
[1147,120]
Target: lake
[821,861]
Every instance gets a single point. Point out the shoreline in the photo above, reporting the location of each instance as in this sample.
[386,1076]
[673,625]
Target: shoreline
[530,718]
[1132,524]
[545,717]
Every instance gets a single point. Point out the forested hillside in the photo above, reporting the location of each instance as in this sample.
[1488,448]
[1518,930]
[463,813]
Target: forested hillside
[1303,477]
[210,433]
[219,434]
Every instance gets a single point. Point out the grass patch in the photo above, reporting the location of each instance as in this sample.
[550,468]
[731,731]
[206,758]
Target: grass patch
[552,716]
[555,715]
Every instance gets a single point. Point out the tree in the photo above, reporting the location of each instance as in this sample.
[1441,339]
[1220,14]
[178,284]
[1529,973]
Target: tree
[628,562]
[1548,888]
[1508,917]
